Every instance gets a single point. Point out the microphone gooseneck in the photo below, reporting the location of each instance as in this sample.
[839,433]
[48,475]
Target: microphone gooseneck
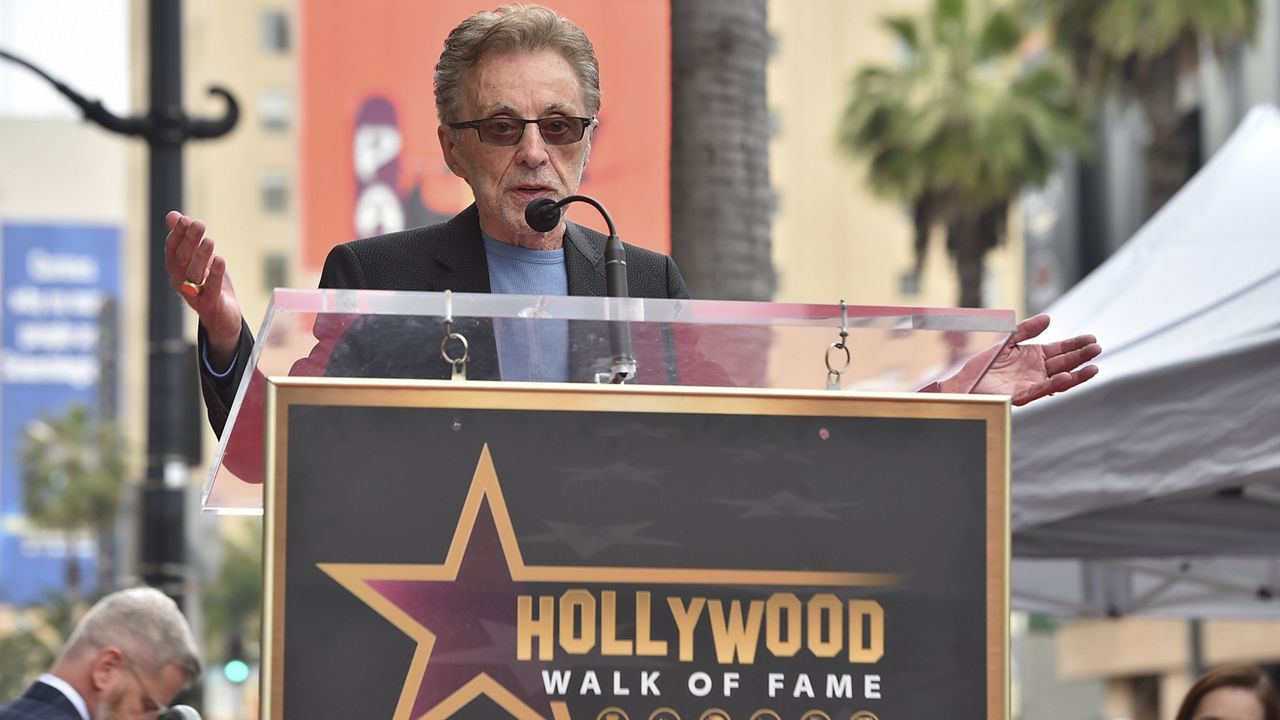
[542,215]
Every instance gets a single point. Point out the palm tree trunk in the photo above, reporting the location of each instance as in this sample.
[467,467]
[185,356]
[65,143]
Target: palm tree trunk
[105,559]
[721,201]
[968,248]
[922,218]
[72,571]
[1168,154]
[969,270]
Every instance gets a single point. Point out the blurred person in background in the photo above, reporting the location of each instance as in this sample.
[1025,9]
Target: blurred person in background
[1232,692]
[128,657]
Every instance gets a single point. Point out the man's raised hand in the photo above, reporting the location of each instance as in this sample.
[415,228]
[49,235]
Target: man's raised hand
[199,275]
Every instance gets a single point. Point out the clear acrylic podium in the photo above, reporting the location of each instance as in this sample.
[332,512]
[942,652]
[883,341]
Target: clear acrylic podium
[771,476]
[349,333]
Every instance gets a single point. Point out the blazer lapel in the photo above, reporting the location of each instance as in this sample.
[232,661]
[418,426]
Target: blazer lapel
[583,262]
[584,266]
[460,263]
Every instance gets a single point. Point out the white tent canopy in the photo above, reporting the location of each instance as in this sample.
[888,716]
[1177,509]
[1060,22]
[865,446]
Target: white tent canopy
[1155,487]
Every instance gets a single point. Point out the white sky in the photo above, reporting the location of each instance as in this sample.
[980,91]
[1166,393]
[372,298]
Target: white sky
[83,43]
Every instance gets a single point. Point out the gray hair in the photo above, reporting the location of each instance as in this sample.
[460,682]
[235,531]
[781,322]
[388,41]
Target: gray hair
[509,28]
[143,623]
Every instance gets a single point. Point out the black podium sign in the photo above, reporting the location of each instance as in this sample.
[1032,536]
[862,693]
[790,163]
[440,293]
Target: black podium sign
[530,551]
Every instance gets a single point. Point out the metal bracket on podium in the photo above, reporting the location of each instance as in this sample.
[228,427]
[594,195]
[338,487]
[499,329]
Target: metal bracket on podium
[460,362]
[834,373]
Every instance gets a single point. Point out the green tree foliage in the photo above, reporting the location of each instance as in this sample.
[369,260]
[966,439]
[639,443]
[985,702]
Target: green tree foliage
[33,645]
[961,126]
[1139,47]
[73,469]
[23,656]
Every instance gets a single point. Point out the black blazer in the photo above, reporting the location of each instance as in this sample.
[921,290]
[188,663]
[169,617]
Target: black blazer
[40,702]
[435,258]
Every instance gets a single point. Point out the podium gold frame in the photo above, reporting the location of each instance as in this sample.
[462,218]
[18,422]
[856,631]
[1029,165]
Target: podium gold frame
[284,393]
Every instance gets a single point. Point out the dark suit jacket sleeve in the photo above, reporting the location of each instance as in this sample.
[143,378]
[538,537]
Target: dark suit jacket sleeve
[220,392]
[341,270]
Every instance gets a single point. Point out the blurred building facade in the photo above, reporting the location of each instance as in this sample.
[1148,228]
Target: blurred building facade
[248,179]
[1148,664]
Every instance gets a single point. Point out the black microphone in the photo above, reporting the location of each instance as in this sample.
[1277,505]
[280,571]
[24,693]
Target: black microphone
[542,215]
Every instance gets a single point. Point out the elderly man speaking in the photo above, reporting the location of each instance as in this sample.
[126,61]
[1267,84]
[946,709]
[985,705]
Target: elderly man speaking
[517,91]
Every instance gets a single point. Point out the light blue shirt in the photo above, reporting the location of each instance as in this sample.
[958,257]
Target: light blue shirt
[521,271]
[529,348]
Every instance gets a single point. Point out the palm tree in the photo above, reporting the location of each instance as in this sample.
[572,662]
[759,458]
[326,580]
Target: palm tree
[73,467]
[960,127]
[1140,47]
[721,201]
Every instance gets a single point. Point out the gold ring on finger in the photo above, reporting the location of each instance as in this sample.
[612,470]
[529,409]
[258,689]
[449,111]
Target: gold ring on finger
[192,289]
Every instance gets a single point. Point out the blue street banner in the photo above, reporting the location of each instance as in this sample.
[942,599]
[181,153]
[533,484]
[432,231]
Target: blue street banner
[57,280]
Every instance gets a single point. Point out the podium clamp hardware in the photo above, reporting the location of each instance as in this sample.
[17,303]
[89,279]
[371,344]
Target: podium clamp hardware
[459,363]
[833,374]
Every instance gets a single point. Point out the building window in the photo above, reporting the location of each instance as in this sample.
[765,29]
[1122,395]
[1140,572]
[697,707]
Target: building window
[275,193]
[275,272]
[276,108]
[909,283]
[275,32]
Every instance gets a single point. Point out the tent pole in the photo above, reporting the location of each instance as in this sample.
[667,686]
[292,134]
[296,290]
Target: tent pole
[1196,634]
